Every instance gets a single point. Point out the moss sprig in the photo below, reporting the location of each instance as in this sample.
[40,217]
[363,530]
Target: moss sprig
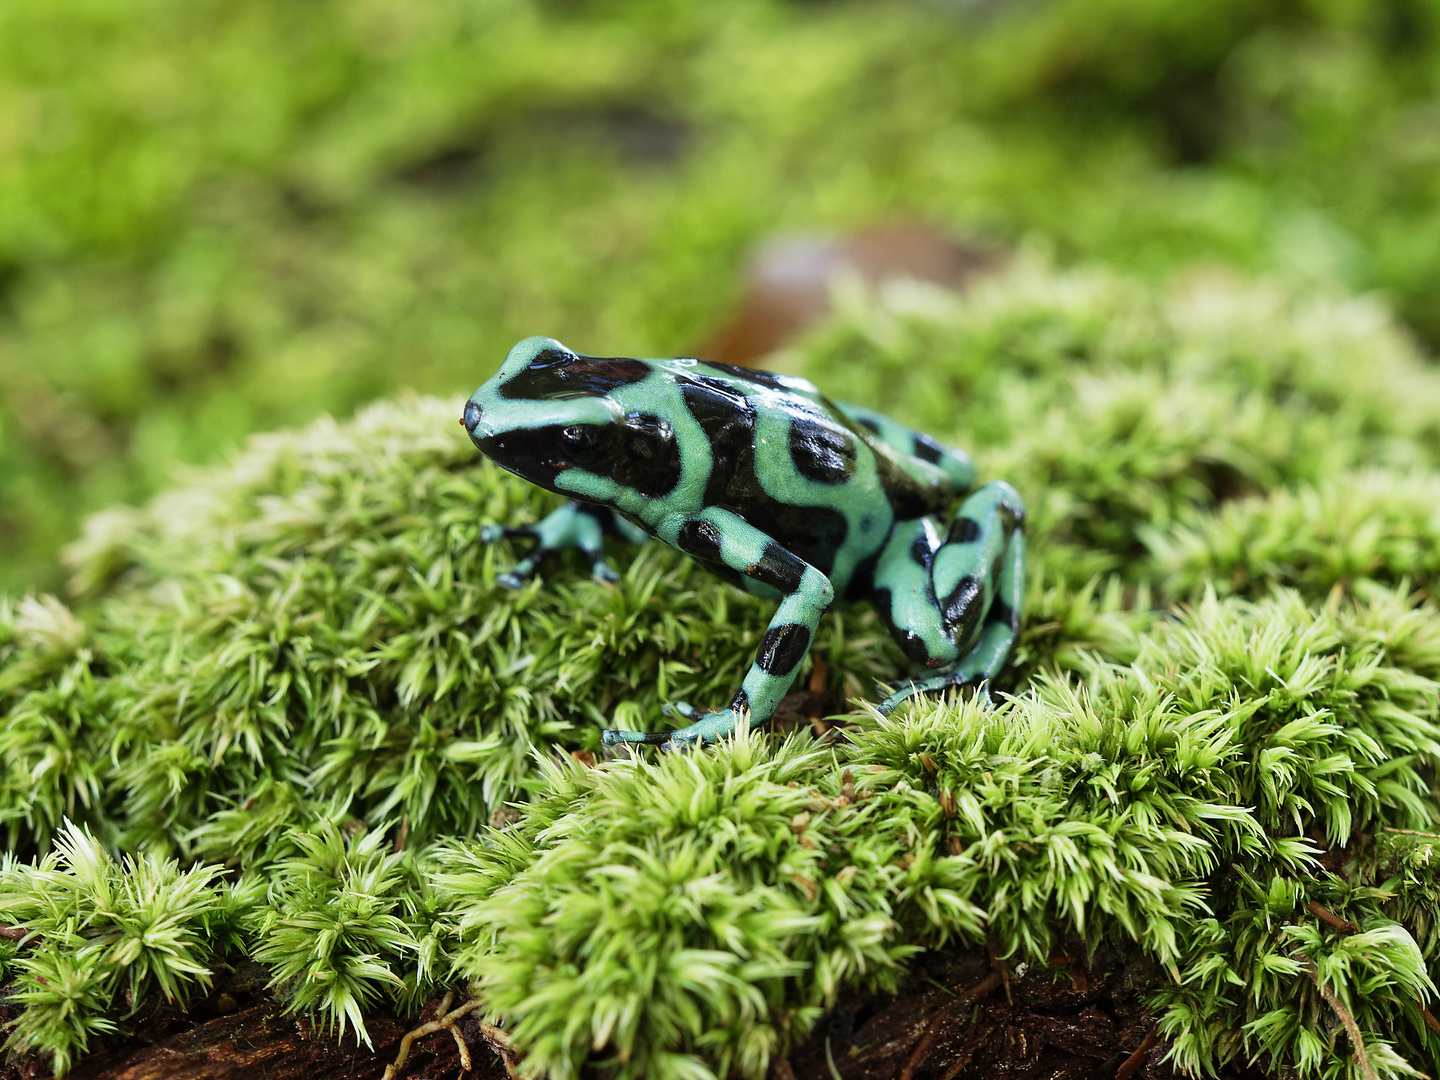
[106,938]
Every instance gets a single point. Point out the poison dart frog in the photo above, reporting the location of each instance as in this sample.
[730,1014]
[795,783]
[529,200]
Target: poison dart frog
[772,486]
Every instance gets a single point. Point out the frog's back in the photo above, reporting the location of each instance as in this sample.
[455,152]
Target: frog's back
[791,463]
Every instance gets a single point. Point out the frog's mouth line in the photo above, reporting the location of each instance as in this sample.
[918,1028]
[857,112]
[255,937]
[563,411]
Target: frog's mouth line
[526,452]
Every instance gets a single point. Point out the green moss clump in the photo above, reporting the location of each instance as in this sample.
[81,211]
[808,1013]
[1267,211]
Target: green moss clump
[1225,707]
[344,923]
[103,932]
[1354,527]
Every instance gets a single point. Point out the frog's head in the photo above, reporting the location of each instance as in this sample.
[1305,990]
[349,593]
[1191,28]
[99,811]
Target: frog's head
[548,410]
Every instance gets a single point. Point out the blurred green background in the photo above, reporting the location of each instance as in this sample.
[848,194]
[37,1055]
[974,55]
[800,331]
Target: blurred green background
[218,216]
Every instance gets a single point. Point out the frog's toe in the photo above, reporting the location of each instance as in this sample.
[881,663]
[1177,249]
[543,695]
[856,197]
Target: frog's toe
[937,685]
[681,709]
[600,570]
[679,743]
[688,738]
[712,726]
[517,575]
[491,533]
[634,738]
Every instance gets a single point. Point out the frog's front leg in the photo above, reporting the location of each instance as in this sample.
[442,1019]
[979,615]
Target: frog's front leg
[576,524]
[954,605]
[725,541]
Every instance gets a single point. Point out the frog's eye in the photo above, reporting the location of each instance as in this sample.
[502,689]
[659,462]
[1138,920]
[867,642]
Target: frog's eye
[577,437]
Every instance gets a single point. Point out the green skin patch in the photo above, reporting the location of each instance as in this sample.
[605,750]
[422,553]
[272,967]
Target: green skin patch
[772,486]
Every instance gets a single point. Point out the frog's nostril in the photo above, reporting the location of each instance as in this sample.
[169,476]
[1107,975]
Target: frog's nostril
[472,417]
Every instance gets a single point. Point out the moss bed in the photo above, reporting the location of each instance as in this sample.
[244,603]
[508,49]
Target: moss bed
[324,739]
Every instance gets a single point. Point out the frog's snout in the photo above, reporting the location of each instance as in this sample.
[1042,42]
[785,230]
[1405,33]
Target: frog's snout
[471,419]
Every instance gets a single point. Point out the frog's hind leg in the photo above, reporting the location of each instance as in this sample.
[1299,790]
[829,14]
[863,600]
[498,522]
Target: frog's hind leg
[725,541]
[964,620]
[914,446]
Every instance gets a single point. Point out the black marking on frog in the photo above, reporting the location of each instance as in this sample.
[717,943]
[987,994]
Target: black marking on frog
[741,700]
[960,611]
[922,548]
[927,449]
[911,643]
[821,451]
[782,648]
[728,419]
[963,530]
[779,569]
[559,375]
[1001,612]
[534,453]
[768,379]
[700,539]
[649,461]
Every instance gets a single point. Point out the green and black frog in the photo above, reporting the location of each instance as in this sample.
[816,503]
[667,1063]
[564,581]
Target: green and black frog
[772,486]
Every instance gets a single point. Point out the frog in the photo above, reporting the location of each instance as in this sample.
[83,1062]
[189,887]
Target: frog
[774,487]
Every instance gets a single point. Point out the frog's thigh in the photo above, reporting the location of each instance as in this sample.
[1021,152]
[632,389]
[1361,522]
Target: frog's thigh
[912,444]
[1002,621]
[967,568]
[718,536]
[996,634]
[937,595]
[903,596]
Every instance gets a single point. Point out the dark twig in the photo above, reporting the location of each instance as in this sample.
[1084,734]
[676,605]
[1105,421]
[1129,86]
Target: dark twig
[932,1028]
[1410,832]
[1135,1060]
[1329,918]
[1347,1018]
[1428,1017]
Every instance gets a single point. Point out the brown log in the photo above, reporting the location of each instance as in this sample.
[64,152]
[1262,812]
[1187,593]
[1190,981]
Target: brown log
[949,1020]
[261,1041]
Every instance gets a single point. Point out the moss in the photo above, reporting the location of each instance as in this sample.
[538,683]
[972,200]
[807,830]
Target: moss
[299,665]
[103,932]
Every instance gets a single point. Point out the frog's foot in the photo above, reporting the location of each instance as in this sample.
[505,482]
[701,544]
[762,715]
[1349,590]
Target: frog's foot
[937,685]
[711,727]
[572,526]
